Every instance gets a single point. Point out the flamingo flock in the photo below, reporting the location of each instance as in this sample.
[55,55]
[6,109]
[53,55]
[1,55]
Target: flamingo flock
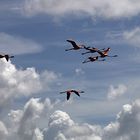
[102,53]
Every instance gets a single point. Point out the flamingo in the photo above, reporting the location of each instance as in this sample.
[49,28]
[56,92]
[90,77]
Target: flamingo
[105,53]
[6,56]
[92,59]
[69,92]
[91,50]
[75,46]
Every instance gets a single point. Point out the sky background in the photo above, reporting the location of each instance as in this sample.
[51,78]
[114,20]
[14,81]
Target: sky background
[35,32]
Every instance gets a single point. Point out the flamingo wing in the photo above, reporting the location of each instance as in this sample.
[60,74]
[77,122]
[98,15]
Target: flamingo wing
[77,93]
[68,96]
[73,44]
[12,56]
[7,57]
[62,92]
[1,56]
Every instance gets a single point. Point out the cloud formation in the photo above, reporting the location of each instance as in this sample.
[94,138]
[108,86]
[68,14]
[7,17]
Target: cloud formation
[26,124]
[133,36]
[3,131]
[17,45]
[61,126]
[79,71]
[113,92]
[18,83]
[93,8]
[27,128]
[127,125]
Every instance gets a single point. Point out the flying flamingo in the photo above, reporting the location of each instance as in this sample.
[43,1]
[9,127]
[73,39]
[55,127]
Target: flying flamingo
[91,50]
[6,56]
[69,92]
[75,46]
[105,53]
[92,59]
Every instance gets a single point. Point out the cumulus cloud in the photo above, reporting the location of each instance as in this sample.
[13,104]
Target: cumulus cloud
[32,110]
[17,45]
[62,127]
[18,83]
[133,36]
[93,8]
[114,93]
[25,121]
[3,131]
[127,125]
[37,135]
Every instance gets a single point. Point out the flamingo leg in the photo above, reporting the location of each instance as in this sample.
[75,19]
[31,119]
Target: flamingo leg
[86,52]
[62,92]
[102,60]
[86,61]
[68,96]
[69,49]
[112,56]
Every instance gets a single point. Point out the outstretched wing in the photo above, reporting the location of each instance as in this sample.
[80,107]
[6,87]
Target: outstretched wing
[12,56]
[77,93]
[62,92]
[68,96]
[7,57]
[72,42]
[1,56]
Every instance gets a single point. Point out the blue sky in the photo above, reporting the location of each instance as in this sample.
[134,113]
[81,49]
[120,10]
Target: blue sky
[36,33]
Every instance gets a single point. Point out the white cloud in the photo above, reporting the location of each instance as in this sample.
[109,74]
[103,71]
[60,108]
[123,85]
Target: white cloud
[127,125]
[93,8]
[25,122]
[62,127]
[32,110]
[113,92]
[37,135]
[17,45]
[3,131]
[15,115]
[133,36]
[79,71]
[18,83]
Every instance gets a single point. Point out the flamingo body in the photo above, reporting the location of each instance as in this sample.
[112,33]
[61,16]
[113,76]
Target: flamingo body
[6,56]
[69,92]
[75,46]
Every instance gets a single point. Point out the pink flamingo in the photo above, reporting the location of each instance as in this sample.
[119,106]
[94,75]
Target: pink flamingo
[75,46]
[69,92]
